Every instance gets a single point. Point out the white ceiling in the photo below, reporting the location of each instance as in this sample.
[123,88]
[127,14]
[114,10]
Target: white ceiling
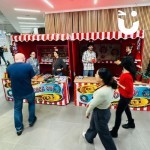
[9,15]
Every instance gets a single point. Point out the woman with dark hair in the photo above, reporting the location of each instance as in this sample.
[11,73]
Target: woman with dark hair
[125,86]
[58,64]
[100,105]
[33,62]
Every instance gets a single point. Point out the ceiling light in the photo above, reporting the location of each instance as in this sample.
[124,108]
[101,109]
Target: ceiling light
[48,3]
[30,26]
[30,23]
[27,10]
[95,2]
[26,18]
[26,28]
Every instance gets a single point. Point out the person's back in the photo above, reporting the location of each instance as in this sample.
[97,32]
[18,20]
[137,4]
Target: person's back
[20,75]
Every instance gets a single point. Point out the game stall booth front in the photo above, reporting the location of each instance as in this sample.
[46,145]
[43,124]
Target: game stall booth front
[109,46]
[49,89]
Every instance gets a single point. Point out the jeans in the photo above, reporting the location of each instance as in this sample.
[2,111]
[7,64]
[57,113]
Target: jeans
[99,125]
[2,56]
[88,73]
[123,105]
[18,104]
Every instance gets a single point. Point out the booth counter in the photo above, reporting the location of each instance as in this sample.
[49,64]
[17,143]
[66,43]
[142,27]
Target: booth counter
[84,88]
[49,91]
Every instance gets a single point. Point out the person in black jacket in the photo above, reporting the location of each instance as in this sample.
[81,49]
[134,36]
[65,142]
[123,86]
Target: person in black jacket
[58,65]
[2,55]
[129,55]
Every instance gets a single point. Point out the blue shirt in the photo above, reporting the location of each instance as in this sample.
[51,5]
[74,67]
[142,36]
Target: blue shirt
[20,75]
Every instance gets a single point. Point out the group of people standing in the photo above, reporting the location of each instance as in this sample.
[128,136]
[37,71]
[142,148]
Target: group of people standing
[100,104]
[21,73]
[58,65]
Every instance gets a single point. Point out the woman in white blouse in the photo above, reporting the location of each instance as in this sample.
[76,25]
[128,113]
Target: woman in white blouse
[100,105]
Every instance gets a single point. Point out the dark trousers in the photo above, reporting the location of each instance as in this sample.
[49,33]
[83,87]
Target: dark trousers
[99,125]
[123,105]
[2,56]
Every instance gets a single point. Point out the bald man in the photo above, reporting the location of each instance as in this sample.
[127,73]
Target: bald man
[20,74]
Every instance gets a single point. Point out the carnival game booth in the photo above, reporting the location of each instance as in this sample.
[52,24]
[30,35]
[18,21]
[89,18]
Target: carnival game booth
[44,46]
[109,46]
[48,89]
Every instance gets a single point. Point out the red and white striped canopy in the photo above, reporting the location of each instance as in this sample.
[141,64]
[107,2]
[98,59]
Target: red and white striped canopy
[40,37]
[105,35]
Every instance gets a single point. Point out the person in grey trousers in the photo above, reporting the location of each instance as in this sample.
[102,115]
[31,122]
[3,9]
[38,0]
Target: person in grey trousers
[100,105]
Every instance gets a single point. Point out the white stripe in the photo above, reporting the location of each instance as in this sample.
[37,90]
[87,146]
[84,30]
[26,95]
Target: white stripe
[20,38]
[57,37]
[97,35]
[42,37]
[145,108]
[92,36]
[82,35]
[38,37]
[63,37]
[137,34]
[103,33]
[47,37]
[15,38]
[119,35]
[114,33]
[87,36]
[52,37]
[138,109]
[108,35]
[77,36]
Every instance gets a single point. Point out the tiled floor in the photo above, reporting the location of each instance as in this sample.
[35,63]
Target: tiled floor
[60,128]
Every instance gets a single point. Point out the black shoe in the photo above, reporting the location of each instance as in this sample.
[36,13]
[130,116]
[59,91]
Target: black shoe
[20,131]
[31,124]
[113,134]
[128,125]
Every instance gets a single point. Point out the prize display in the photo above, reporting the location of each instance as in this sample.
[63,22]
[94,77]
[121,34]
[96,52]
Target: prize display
[46,56]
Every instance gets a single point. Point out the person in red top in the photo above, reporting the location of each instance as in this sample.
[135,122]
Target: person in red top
[125,86]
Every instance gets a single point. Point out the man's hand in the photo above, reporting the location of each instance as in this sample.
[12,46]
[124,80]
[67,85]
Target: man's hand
[59,69]
[118,62]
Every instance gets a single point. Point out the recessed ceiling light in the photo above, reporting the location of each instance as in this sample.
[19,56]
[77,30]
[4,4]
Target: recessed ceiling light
[49,3]
[26,18]
[30,23]
[30,26]
[95,2]
[27,10]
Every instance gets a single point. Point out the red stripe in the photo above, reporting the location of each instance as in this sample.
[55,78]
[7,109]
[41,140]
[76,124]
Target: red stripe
[95,36]
[141,33]
[135,35]
[80,36]
[75,36]
[100,35]
[123,35]
[35,38]
[22,37]
[111,35]
[116,35]
[17,38]
[75,93]
[90,36]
